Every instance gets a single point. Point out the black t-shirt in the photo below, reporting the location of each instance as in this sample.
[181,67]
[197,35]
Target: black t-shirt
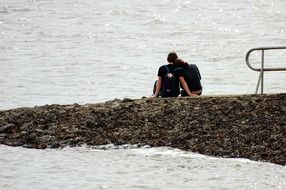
[192,77]
[176,70]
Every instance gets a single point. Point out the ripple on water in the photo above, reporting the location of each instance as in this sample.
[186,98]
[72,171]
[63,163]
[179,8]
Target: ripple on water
[145,168]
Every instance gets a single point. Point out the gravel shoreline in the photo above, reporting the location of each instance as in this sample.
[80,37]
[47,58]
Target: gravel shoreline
[242,126]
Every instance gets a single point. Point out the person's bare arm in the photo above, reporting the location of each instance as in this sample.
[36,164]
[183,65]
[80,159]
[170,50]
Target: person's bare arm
[185,86]
[158,87]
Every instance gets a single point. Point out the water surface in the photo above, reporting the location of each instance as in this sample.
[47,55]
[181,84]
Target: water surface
[144,168]
[91,51]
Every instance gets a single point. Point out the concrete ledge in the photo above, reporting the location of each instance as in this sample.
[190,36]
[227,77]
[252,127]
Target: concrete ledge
[246,126]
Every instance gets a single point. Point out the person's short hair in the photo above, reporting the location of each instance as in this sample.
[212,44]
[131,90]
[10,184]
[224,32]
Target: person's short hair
[179,61]
[172,57]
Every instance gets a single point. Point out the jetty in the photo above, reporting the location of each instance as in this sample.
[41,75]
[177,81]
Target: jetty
[234,126]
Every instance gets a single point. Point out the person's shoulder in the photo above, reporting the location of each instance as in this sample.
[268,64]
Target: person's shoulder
[178,67]
[163,67]
[162,70]
[186,65]
[178,70]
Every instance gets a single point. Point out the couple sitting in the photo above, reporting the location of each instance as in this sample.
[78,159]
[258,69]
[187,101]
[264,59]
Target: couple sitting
[175,75]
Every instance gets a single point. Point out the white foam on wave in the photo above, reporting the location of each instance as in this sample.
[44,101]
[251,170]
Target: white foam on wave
[110,166]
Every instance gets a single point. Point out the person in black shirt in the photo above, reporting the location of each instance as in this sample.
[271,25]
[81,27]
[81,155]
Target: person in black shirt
[171,73]
[192,77]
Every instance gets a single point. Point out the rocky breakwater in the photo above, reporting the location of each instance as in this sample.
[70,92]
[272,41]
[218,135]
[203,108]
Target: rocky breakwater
[247,126]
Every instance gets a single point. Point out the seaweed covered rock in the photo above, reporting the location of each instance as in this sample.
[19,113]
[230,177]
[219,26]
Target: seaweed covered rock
[246,126]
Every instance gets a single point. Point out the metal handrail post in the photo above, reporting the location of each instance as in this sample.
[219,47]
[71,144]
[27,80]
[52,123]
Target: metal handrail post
[263,68]
[262,71]
[258,83]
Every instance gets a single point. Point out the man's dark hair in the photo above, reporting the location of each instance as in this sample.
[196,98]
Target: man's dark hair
[172,57]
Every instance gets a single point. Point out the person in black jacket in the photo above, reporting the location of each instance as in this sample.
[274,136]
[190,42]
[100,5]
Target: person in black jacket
[192,77]
[170,77]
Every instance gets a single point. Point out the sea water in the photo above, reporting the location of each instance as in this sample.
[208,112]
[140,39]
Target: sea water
[91,51]
[125,168]
[83,51]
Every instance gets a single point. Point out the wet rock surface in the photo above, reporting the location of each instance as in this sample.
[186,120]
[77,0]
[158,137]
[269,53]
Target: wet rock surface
[247,126]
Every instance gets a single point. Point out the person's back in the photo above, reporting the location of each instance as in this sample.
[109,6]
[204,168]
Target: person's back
[170,80]
[192,77]
[168,83]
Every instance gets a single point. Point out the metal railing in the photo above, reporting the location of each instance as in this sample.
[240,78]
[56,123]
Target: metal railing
[262,69]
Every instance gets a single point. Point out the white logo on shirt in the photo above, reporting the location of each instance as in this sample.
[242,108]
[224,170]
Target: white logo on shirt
[170,75]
